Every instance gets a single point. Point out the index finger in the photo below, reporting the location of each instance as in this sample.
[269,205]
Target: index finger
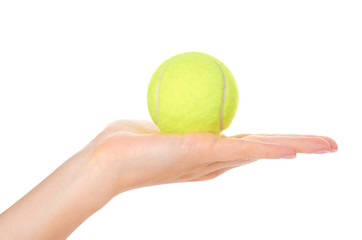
[229,149]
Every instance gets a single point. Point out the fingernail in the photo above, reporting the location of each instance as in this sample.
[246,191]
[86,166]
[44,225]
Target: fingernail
[289,156]
[334,150]
[320,151]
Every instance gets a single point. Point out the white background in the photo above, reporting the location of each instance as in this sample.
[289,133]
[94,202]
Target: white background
[69,68]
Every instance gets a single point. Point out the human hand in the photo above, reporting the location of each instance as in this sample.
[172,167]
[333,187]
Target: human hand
[132,154]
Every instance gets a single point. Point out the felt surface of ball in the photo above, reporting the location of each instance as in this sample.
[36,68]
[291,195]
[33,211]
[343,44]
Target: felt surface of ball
[192,92]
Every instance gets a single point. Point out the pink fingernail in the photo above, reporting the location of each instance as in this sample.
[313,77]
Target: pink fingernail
[289,156]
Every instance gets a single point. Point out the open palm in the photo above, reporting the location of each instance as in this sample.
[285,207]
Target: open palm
[135,154]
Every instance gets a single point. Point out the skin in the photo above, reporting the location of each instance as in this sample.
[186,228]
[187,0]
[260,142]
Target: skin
[134,154]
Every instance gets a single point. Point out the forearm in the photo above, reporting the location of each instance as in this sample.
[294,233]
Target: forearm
[58,205]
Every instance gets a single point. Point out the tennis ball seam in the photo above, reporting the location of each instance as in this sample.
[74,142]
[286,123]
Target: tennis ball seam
[223,94]
[224,86]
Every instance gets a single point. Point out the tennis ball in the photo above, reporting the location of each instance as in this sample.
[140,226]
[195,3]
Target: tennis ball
[192,92]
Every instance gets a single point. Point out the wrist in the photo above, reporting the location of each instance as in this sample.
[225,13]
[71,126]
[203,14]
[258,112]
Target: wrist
[105,171]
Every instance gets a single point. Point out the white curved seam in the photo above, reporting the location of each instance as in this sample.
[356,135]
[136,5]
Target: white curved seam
[223,94]
[158,86]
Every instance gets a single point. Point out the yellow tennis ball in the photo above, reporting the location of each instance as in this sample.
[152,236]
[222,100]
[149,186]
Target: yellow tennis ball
[192,92]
